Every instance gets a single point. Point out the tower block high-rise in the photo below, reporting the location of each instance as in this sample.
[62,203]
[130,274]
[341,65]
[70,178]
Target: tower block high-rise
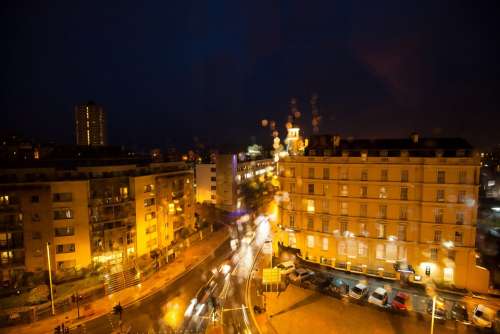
[90,124]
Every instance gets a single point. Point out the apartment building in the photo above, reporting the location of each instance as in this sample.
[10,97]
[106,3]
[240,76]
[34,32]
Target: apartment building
[206,183]
[232,172]
[91,214]
[385,208]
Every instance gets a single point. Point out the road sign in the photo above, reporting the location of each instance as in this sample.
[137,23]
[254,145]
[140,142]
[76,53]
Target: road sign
[271,276]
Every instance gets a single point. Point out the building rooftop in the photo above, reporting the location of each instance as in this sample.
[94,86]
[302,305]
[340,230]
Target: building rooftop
[332,145]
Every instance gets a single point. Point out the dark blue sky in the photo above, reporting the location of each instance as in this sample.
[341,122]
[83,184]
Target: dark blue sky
[167,71]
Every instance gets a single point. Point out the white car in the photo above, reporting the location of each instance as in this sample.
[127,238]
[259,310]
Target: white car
[483,316]
[378,297]
[359,291]
[286,267]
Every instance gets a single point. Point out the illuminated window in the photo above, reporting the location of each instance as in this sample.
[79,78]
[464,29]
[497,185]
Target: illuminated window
[310,241]
[292,241]
[362,249]
[149,188]
[344,190]
[324,244]
[382,192]
[352,249]
[391,252]
[310,205]
[448,274]
[123,192]
[63,214]
[4,199]
[149,216]
[379,252]
[149,202]
[344,208]
[362,229]
[341,248]
[381,231]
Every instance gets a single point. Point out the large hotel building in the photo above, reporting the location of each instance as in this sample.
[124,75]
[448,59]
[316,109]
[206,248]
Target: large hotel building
[90,214]
[385,208]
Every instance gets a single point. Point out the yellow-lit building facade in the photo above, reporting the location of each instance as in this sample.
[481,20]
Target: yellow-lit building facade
[91,215]
[384,208]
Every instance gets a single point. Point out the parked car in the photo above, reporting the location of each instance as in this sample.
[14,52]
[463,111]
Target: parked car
[299,275]
[337,288]
[440,312]
[400,301]
[459,313]
[483,316]
[379,297]
[286,267]
[359,291]
[316,282]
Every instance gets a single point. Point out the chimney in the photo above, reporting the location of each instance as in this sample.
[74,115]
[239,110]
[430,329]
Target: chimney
[414,137]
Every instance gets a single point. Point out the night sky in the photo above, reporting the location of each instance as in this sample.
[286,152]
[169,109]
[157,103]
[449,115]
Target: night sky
[169,71]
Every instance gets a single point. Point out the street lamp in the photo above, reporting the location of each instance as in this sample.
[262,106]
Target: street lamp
[433,313]
[50,280]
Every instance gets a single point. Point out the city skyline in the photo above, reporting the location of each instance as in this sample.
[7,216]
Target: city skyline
[188,71]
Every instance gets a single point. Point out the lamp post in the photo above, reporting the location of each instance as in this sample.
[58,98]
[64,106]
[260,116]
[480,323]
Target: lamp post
[50,280]
[433,313]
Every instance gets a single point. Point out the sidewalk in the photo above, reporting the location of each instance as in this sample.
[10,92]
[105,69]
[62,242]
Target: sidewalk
[187,260]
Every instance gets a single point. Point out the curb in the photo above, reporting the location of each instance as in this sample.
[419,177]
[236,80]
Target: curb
[247,292]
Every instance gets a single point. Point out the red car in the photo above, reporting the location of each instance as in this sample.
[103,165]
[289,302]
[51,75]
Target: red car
[400,301]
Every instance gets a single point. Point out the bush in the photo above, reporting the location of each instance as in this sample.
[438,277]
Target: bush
[38,295]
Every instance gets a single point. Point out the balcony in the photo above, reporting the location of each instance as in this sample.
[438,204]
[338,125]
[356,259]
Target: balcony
[11,244]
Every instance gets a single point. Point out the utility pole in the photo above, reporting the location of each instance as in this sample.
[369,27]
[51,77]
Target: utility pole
[50,280]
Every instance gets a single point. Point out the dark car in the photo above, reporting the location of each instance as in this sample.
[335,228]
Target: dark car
[440,312]
[300,275]
[459,313]
[316,282]
[338,288]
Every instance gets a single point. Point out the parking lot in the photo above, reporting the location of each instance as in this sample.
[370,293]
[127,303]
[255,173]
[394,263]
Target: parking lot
[303,299]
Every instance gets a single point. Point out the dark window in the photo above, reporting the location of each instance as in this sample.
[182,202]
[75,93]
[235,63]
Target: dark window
[212,169]
[213,187]
[63,214]
[213,178]
[35,199]
[310,188]
[64,231]
[62,197]
[36,236]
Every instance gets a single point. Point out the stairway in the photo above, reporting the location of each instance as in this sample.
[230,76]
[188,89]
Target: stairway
[121,280]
